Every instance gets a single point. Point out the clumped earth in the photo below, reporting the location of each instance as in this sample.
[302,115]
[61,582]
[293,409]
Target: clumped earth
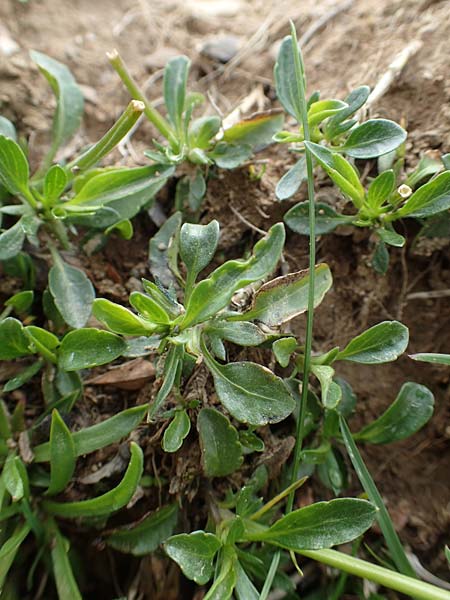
[353,48]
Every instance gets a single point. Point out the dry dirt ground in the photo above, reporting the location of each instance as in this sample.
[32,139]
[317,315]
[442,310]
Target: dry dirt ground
[352,48]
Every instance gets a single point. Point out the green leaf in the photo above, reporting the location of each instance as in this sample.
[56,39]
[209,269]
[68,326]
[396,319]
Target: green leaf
[172,367]
[285,80]
[87,348]
[194,553]
[176,432]
[327,219]
[11,241]
[23,377]
[12,478]
[256,130]
[202,131]
[393,542]
[125,191]
[245,590]
[163,298]
[13,340]
[147,535]
[72,292]
[198,244]
[381,343]
[62,569]
[7,129]
[431,198]
[391,237]
[160,248]
[250,392]
[62,455]
[55,183]
[14,170]
[109,502]
[219,443]
[283,350]
[426,168]
[381,188]
[380,258]
[124,228]
[243,334]
[344,175]
[373,138]
[119,319]
[213,294]
[431,357]
[230,156]
[148,308]
[320,525]
[21,301]
[224,582]
[410,411]
[323,109]
[286,297]
[98,436]
[355,100]
[175,80]
[42,341]
[292,180]
[331,392]
[9,550]
[70,101]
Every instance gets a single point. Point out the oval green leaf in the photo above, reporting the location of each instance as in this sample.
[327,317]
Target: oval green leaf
[87,348]
[194,553]
[410,411]
[381,343]
[176,432]
[373,138]
[219,443]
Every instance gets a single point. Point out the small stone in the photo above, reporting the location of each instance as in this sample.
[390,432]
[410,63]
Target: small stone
[159,58]
[221,49]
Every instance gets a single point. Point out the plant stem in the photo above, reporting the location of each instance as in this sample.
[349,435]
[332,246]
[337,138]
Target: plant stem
[110,140]
[150,111]
[303,120]
[390,579]
[270,576]
[384,520]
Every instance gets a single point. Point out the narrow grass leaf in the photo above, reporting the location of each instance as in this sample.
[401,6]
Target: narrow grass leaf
[9,550]
[98,436]
[109,502]
[62,570]
[384,520]
[62,455]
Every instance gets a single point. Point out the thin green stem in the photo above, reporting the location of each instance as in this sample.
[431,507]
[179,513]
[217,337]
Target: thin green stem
[384,520]
[270,576]
[390,579]
[135,91]
[303,120]
[110,140]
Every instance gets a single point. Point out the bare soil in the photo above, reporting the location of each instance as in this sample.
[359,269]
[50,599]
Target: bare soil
[354,48]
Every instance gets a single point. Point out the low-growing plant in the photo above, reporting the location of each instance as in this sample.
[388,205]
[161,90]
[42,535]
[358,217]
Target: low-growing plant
[58,197]
[196,327]
[201,142]
[27,490]
[334,132]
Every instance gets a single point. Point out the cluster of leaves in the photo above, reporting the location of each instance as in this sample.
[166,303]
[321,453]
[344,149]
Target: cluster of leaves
[335,134]
[202,142]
